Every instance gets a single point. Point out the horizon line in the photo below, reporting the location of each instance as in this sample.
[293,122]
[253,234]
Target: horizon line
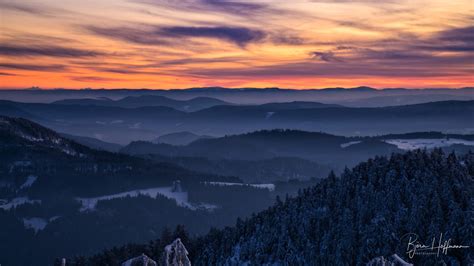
[35,88]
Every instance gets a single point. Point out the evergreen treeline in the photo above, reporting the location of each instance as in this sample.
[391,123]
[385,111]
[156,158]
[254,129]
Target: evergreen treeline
[361,215]
[351,219]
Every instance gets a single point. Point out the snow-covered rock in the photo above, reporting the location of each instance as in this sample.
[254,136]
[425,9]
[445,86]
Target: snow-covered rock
[176,254]
[142,260]
[393,260]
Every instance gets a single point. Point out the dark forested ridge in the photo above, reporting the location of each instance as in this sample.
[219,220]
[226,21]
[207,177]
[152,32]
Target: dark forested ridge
[60,198]
[360,215]
[364,213]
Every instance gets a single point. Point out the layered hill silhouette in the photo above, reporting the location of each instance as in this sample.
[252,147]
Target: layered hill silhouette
[122,125]
[352,96]
[191,105]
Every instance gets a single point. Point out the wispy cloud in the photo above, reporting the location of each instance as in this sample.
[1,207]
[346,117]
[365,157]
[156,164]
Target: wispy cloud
[45,50]
[21,7]
[162,43]
[230,7]
[326,56]
[139,34]
[238,35]
[7,74]
[93,79]
[155,35]
[31,67]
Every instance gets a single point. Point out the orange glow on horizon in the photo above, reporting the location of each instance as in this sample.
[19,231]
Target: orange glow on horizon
[262,43]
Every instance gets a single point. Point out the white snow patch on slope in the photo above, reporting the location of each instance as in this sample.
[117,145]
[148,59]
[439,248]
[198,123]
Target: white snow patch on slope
[17,202]
[413,144]
[269,114]
[181,198]
[347,144]
[35,223]
[29,181]
[270,187]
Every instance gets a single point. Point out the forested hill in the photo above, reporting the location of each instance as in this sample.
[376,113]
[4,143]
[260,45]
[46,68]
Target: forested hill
[361,215]
[348,220]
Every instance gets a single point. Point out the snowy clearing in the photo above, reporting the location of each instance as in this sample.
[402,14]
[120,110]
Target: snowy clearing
[181,198]
[17,202]
[347,144]
[413,144]
[35,223]
[270,187]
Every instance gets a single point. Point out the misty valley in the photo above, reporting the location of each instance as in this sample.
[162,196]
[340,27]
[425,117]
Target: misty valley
[97,182]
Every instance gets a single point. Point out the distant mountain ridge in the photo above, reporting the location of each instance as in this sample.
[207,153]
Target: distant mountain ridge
[191,105]
[122,125]
[94,143]
[235,95]
[180,138]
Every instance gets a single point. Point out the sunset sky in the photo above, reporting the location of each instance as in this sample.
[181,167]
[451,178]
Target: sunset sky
[193,43]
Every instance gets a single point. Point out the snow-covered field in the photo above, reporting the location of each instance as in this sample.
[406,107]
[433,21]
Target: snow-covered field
[29,181]
[17,202]
[413,144]
[37,223]
[347,144]
[181,198]
[270,187]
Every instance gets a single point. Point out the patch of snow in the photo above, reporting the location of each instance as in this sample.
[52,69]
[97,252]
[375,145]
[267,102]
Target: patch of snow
[269,114]
[413,144]
[69,151]
[181,198]
[205,206]
[270,187]
[17,202]
[35,223]
[347,144]
[31,138]
[54,218]
[136,126]
[29,181]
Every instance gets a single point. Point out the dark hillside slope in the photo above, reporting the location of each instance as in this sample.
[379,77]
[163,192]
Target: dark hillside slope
[363,214]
